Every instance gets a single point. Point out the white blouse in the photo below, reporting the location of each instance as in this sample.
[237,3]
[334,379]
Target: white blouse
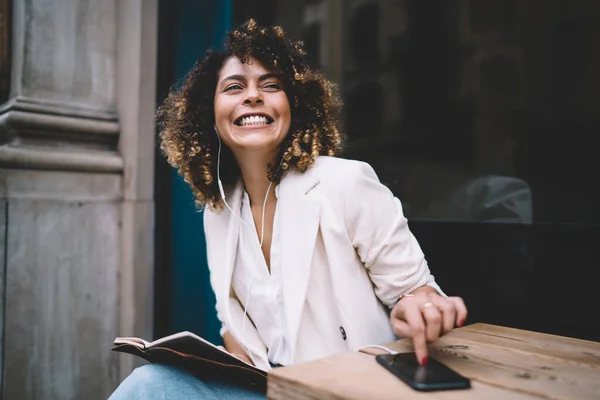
[259,291]
[347,274]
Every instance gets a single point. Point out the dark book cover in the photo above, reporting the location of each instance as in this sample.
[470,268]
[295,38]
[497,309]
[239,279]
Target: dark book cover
[198,356]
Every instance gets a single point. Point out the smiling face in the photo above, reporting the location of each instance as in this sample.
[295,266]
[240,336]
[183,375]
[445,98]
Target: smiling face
[252,112]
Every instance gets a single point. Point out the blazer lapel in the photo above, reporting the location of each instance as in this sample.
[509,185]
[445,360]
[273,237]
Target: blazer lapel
[299,223]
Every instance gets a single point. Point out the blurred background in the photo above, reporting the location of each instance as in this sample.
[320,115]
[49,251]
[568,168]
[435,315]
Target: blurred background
[479,115]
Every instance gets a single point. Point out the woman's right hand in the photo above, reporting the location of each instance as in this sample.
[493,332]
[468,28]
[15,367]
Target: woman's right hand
[424,316]
[242,357]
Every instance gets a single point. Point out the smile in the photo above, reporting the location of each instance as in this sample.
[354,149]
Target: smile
[253,120]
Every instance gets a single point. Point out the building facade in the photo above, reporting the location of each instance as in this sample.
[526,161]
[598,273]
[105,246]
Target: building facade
[480,116]
[76,192]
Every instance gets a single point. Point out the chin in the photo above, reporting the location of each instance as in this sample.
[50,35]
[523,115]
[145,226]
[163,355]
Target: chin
[257,139]
[257,144]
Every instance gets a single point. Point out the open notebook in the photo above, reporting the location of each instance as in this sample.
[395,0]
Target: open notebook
[202,358]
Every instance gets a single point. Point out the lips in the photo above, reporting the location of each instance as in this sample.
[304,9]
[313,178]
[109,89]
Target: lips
[252,119]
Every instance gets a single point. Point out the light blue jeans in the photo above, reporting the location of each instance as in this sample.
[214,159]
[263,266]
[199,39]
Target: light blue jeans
[164,382]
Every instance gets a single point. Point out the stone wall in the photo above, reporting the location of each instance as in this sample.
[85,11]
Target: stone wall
[62,263]
[76,195]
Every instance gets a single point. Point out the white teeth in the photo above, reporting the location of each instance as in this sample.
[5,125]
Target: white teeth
[254,120]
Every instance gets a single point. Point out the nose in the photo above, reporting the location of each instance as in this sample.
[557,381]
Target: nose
[253,96]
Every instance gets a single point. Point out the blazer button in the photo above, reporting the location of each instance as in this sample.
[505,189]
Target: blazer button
[343,332]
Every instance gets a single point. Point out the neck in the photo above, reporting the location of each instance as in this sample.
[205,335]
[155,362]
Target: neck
[254,174]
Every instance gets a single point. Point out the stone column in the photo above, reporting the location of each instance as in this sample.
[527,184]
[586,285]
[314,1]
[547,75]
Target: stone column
[63,85]
[76,204]
[136,94]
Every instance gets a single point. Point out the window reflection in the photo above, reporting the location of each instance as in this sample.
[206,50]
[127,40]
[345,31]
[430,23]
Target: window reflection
[469,110]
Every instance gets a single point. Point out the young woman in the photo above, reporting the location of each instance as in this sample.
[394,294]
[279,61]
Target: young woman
[309,254]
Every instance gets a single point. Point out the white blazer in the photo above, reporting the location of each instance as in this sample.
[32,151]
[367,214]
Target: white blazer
[336,216]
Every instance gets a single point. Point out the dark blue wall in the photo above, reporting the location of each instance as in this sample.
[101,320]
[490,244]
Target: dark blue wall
[200,25]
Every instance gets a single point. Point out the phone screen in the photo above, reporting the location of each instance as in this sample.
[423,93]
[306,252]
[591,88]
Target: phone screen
[433,376]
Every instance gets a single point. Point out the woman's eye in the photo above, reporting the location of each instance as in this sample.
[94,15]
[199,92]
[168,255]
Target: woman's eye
[233,87]
[272,86]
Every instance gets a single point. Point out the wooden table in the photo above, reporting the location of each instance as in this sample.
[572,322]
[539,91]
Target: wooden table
[502,363]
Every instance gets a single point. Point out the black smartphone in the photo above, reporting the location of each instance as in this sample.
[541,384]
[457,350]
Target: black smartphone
[433,376]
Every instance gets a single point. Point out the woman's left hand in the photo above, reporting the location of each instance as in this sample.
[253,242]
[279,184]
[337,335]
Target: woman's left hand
[424,316]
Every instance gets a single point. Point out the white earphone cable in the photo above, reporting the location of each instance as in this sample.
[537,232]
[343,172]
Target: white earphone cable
[262,236]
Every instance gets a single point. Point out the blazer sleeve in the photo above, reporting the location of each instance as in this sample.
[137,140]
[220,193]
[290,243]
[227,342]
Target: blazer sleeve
[379,232]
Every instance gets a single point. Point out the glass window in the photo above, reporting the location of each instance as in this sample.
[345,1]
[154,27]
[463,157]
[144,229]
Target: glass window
[481,116]
[469,110]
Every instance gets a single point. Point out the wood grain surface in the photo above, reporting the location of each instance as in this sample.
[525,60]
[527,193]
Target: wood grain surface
[502,363]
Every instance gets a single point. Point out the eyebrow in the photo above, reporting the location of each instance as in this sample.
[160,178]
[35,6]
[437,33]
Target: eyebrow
[242,78]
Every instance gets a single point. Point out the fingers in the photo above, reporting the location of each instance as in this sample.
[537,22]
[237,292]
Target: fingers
[414,318]
[426,318]
[448,312]
[461,310]
[433,321]
[242,357]
[401,328]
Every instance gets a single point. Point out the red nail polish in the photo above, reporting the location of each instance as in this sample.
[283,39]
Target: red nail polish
[461,322]
[424,361]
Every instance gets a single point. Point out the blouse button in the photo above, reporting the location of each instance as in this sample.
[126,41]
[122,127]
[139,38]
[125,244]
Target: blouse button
[343,332]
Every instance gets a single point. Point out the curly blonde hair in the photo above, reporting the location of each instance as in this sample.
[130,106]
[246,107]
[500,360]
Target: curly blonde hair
[186,118]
